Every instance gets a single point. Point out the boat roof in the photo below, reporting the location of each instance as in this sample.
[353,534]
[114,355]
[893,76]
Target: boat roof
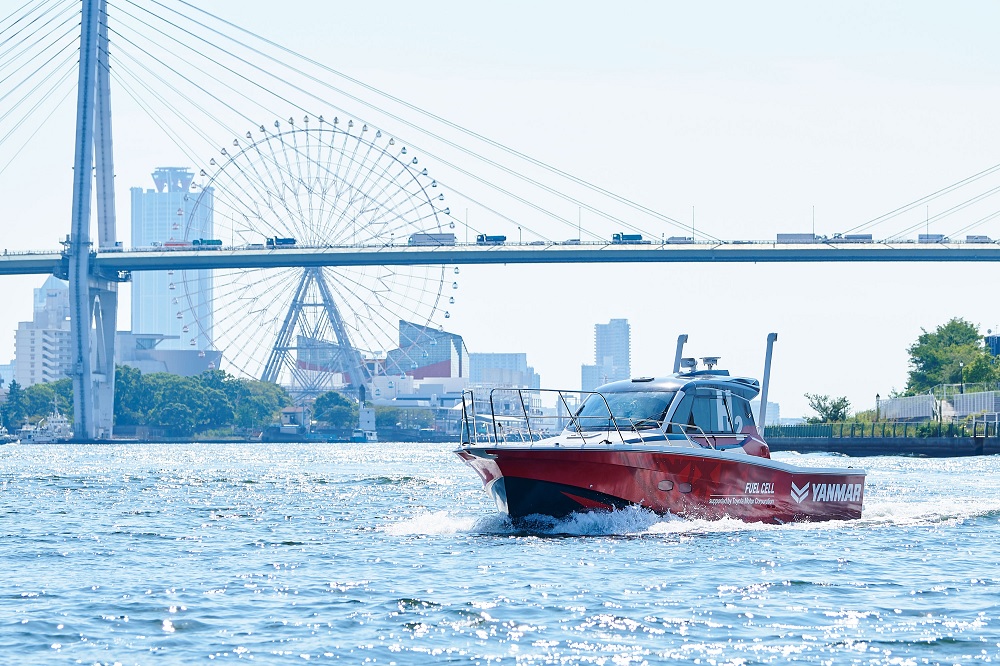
[745,386]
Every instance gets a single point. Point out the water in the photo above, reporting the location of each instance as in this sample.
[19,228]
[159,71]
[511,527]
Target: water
[392,553]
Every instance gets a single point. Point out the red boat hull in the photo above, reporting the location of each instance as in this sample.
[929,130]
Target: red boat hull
[557,481]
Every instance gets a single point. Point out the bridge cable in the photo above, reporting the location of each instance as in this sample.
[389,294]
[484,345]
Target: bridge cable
[44,121]
[448,163]
[436,136]
[923,200]
[445,121]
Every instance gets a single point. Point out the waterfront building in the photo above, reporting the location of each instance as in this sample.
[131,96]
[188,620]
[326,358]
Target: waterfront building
[612,355]
[143,352]
[992,341]
[773,415]
[6,374]
[426,352]
[502,369]
[42,345]
[174,304]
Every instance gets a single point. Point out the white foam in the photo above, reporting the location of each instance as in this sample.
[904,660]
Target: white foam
[635,521]
[438,522]
[906,512]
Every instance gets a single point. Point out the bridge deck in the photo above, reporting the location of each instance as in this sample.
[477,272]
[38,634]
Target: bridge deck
[546,253]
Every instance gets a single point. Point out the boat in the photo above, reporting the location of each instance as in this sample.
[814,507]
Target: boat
[6,437]
[684,444]
[360,435]
[52,429]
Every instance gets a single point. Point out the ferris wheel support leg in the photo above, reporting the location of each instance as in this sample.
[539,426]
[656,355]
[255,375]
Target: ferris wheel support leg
[359,373]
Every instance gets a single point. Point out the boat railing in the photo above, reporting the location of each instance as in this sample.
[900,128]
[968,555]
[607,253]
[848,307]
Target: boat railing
[687,429]
[512,415]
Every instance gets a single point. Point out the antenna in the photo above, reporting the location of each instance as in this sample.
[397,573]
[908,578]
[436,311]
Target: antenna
[771,337]
[681,339]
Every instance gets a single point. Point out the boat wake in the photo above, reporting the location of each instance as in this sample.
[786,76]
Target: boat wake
[630,521]
[930,511]
[636,521]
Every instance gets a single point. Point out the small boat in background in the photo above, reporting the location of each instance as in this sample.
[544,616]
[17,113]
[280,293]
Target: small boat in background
[7,438]
[684,444]
[52,429]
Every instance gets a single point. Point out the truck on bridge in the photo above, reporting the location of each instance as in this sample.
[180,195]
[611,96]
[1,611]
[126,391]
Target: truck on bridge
[278,241]
[432,239]
[800,238]
[486,239]
[207,243]
[628,239]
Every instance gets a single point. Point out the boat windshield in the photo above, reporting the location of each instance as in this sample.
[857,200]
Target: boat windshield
[634,410]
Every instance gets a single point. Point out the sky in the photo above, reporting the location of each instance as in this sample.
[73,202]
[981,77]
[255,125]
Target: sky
[752,118]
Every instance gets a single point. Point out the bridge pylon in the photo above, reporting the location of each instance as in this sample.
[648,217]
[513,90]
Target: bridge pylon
[93,296]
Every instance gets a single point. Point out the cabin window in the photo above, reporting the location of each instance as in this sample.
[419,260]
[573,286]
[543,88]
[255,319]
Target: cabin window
[632,409]
[739,410]
[703,409]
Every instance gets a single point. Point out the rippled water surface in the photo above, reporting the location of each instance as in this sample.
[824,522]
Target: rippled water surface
[392,553]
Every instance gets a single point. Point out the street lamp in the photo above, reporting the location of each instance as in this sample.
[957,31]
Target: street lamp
[961,367]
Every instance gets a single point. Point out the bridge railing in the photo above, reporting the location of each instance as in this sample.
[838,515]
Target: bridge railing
[884,429]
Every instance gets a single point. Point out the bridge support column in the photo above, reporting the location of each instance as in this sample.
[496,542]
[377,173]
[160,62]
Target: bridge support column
[79,242]
[104,304]
[93,297]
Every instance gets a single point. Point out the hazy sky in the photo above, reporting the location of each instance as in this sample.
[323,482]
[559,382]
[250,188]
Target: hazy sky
[753,114]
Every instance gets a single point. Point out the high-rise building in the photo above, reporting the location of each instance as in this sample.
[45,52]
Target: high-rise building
[612,355]
[42,345]
[426,352]
[174,304]
[773,415]
[500,369]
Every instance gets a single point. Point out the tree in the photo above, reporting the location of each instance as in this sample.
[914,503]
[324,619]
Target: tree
[132,396]
[175,418]
[214,410]
[828,410]
[335,410]
[260,405]
[40,399]
[395,417]
[13,409]
[951,354]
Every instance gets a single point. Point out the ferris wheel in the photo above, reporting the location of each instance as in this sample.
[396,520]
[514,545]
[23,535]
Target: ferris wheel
[316,184]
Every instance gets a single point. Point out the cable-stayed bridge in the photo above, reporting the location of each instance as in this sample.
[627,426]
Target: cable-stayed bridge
[537,252]
[286,148]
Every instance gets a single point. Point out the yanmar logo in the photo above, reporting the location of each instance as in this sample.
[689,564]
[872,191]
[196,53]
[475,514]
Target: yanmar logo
[827,492]
[799,494]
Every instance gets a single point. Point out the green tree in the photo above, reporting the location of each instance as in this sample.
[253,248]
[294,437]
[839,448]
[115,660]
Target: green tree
[175,418]
[261,406]
[13,411]
[40,399]
[828,410]
[213,410]
[335,410]
[951,354]
[395,417]
[133,398]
